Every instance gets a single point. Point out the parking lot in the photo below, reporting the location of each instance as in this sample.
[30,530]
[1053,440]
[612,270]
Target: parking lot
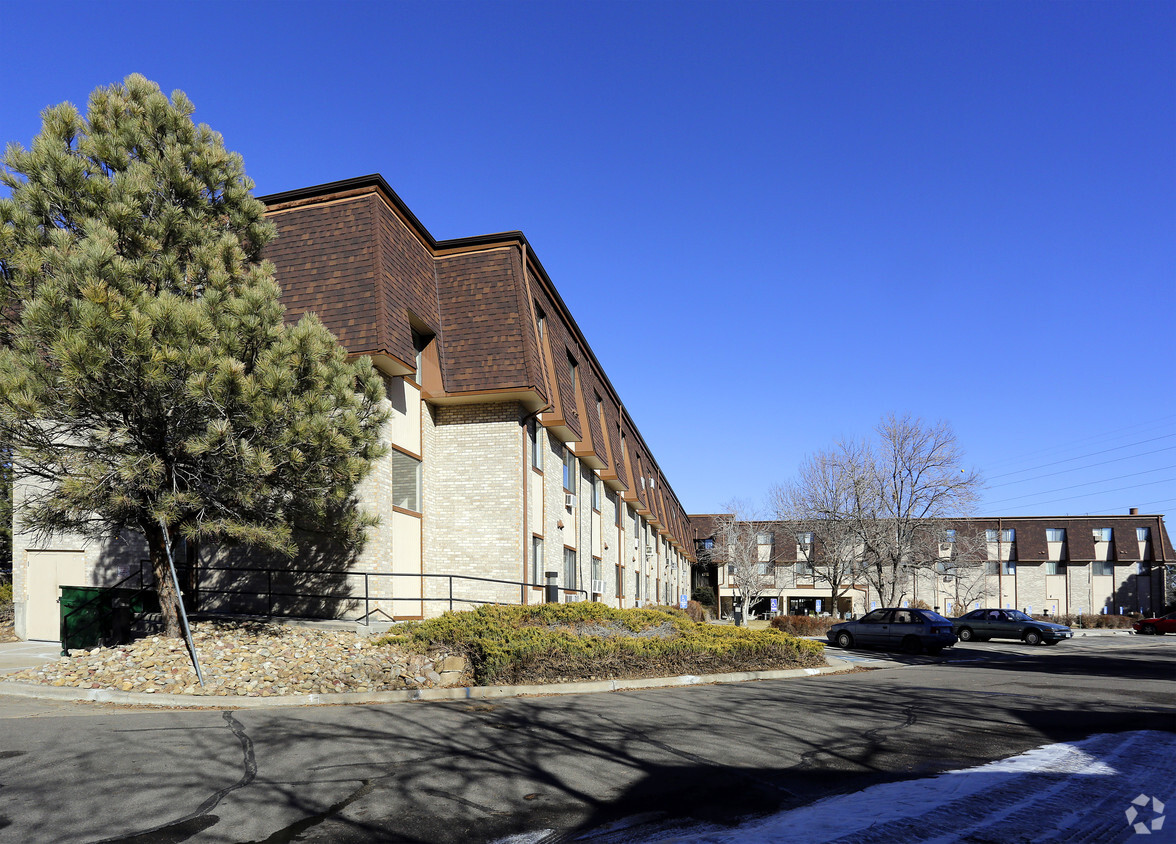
[574,766]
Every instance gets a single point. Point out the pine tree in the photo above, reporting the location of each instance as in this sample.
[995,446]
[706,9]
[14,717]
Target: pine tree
[151,384]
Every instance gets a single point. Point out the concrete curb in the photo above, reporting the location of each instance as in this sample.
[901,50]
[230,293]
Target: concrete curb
[34,690]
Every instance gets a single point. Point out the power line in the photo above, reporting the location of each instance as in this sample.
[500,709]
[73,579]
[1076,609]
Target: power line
[1164,420]
[1079,468]
[1085,494]
[1083,456]
[1088,483]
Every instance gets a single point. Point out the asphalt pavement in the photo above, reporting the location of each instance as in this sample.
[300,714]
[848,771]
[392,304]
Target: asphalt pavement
[576,766]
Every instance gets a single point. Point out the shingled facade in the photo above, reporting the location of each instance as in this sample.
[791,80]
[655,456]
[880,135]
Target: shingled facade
[1066,565]
[512,454]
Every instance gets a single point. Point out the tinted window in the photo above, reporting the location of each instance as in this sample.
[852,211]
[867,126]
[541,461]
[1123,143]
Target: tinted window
[876,617]
[932,616]
[1017,615]
[976,614]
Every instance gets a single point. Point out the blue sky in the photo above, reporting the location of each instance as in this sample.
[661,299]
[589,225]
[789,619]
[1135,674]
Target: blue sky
[774,222]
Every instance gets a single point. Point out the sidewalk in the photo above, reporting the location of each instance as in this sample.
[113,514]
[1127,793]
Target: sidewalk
[17,656]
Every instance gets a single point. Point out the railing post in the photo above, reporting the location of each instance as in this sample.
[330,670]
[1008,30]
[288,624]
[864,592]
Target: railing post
[551,588]
[451,593]
[269,592]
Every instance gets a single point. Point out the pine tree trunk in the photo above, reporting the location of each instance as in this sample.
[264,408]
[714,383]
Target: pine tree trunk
[165,587]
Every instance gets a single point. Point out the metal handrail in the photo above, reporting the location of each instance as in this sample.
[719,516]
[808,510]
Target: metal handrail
[368,599]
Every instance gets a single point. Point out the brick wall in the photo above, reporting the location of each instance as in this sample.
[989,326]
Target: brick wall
[473,501]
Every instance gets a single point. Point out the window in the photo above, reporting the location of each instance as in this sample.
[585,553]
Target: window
[536,449]
[763,539]
[708,544]
[537,560]
[1143,534]
[1055,534]
[596,485]
[762,568]
[419,343]
[1008,567]
[804,569]
[990,535]
[805,538]
[569,568]
[637,585]
[572,369]
[541,323]
[992,567]
[569,470]
[949,536]
[1105,568]
[406,481]
[1102,534]
[596,568]
[1055,567]
[1005,535]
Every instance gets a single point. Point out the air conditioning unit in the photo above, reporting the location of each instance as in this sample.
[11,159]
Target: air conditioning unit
[598,587]
[569,499]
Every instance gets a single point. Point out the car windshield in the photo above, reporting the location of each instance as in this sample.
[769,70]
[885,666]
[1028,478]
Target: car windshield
[933,616]
[1017,615]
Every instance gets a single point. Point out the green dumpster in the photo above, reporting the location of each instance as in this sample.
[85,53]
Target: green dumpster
[96,615]
[82,616]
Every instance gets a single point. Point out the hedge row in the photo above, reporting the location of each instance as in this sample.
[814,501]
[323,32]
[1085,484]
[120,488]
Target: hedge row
[588,640]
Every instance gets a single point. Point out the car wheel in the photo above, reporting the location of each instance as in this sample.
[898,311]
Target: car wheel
[844,640]
[966,634]
[912,645]
[1032,637]
[1148,630]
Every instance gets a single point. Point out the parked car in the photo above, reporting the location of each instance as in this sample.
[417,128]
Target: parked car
[1156,626]
[895,627]
[992,623]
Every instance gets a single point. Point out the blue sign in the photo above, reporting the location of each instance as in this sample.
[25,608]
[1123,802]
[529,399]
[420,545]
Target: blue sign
[775,605]
[682,599]
[818,604]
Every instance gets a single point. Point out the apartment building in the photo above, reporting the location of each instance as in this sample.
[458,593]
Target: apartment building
[1066,565]
[510,452]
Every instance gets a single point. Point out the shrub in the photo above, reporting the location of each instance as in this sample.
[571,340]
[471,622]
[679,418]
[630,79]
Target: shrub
[705,596]
[551,642]
[803,625]
[1093,621]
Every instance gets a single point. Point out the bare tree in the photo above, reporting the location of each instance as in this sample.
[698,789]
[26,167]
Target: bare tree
[737,546]
[884,505]
[818,508]
[962,561]
[908,484]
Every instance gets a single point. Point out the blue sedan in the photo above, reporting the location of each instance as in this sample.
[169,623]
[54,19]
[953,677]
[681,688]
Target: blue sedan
[897,628]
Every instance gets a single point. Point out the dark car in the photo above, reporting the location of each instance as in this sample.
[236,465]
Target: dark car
[897,628]
[993,623]
[1156,626]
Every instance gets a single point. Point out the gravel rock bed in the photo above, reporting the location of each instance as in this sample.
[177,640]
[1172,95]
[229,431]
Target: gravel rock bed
[252,659]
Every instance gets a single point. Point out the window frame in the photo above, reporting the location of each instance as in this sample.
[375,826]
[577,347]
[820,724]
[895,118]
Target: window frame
[537,572]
